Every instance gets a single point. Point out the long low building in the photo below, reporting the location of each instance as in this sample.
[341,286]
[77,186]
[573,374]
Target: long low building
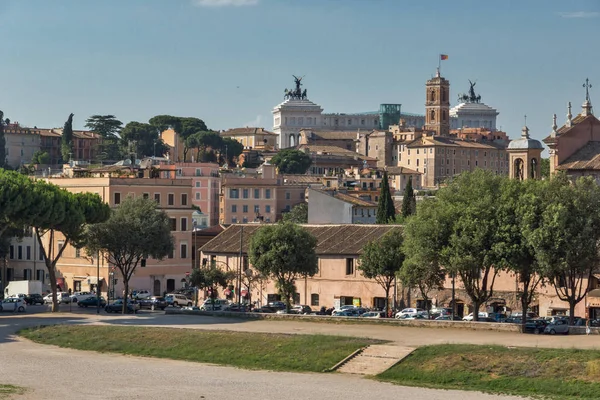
[340,282]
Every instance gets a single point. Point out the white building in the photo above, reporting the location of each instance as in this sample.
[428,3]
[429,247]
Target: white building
[472,113]
[296,112]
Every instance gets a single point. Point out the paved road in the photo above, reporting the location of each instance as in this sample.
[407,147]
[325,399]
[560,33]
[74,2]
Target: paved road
[53,373]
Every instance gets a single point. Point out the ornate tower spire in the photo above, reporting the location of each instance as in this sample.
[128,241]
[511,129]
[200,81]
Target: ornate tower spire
[554,127]
[569,115]
[587,104]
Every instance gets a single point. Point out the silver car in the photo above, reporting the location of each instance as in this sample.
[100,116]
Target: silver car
[558,326]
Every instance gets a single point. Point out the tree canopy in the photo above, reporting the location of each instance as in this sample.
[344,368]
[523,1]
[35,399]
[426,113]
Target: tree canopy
[63,214]
[298,214]
[566,236]
[386,212]
[135,231]
[291,161]
[18,201]
[381,260]
[284,252]
[2,141]
[109,127]
[40,157]
[409,201]
[210,277]
[66,141]
[142,140]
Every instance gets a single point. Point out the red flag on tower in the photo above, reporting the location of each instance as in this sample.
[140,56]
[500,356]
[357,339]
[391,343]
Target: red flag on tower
[443,56]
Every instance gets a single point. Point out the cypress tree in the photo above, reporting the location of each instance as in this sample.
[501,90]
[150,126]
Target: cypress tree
[409,201]
[2,141]
[385,207]
[66,146]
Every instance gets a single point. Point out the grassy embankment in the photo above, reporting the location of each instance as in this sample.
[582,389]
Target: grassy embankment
[276,352]
[10,390]
[545,373]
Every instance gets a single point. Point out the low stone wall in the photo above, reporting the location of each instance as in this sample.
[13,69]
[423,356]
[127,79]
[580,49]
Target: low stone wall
[478,326]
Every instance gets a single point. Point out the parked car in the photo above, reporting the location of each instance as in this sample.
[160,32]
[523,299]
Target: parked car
[344,313]
[535,325]
[117,307]
[409,311]
[470,316]
[236,307]
[213,304]
[77,296]
[91,302]
[448,318]
[277,305]
[33,299]
[12,304]
[373,314]
[178,300]
[558,326]
[264,310]
[141,294]
[62,297]
[153,303]
[301,309]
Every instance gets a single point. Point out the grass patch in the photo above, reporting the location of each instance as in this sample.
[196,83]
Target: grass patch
[547,373]
[277,352]
[9,390]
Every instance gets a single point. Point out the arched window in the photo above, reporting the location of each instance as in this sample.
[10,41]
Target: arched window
[533,169]
[292,140]
[432,95]
[432,115]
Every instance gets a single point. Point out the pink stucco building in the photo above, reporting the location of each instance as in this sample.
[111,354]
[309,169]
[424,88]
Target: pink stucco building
[206,186]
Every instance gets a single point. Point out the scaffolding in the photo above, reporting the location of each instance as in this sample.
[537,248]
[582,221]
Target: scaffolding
[389,114]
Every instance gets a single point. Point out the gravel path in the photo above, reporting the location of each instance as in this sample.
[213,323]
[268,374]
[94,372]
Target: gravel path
[54,373]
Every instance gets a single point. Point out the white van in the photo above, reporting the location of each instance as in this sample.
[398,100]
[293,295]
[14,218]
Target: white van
[177,300]
[218,305]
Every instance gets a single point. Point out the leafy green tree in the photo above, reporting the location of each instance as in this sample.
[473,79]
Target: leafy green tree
[423,243]
[291,161]
[210,277]
[63,216]
[40,157]
[205,140]
[284,252]
[66,141]
[135,231]
[545,168]
[230,148]
[189,127]
[471,202]
[409,201]
[2,141]
[142,140]
[298,214]
[381,260]
[18,203]
[519,213]
[109,127]
[566,241]
[386,212]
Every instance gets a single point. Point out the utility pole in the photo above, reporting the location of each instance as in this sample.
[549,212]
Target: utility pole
[239,285]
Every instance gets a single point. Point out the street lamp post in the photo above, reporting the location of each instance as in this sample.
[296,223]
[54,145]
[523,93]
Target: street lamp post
[98,282]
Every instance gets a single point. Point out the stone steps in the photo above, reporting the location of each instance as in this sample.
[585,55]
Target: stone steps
[375,359]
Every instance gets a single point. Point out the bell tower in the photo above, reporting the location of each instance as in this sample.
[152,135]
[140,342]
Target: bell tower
[437,105]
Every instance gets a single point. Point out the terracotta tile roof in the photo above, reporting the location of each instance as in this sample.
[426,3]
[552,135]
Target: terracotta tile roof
[331,135]
[57,132]
[445,141]
[565,129]
[402,171]
[354,200]
[247,131]
[333,150]
[586,158]
[291,179]
[345,239]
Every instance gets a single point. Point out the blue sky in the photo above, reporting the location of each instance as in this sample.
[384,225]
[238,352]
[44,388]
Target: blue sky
[228,61]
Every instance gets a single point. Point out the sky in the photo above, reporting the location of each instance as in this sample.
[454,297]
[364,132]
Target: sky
[228,61]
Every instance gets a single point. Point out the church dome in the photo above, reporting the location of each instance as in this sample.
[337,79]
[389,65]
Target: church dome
[525,142]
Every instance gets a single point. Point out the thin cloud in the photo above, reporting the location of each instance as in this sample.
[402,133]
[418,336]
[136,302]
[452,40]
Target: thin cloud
[255,123]
[579,14]
[224,3]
